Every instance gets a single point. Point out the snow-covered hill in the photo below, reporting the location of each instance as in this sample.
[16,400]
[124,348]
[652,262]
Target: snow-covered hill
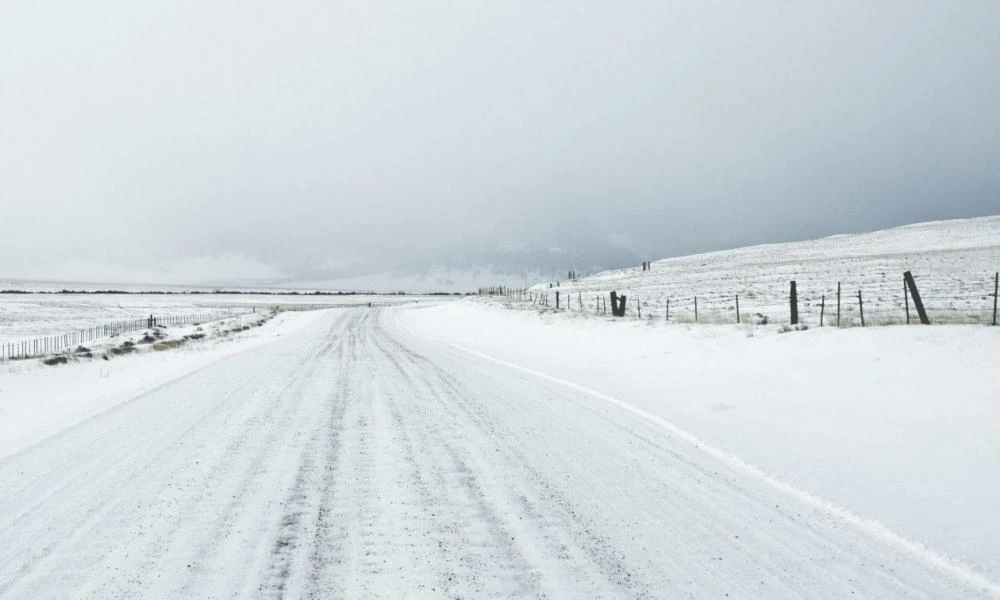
[954,263]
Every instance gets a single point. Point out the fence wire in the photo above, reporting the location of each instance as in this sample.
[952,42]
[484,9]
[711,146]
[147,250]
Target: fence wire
[880,303]
[53,344]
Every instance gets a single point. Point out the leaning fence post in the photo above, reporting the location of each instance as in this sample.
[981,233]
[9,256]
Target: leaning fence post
[861,308]
[737,309]
[793,300]
[906,301]
[996,288]
[917,303]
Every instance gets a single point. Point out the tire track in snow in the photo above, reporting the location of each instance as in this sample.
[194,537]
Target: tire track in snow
[455,489]
[168,448]
[959,580]
[95,477]
[294,553]
[571,543]
[358,461]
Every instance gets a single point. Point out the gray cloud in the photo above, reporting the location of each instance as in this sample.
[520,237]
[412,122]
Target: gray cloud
[323,140]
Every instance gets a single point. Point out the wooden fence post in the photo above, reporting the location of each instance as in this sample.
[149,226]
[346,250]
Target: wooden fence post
[557,299]
[861,308]
[737,309]
[638,308]
[908,277]
[838,304]
[696,309]
[822,308]
[667,316]
[906,301]
[793,300]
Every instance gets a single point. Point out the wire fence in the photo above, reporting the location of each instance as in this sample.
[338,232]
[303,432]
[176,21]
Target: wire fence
[868,303]
[52,344]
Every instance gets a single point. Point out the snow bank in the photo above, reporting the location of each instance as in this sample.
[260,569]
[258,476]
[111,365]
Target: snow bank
[37,401]
[897,424]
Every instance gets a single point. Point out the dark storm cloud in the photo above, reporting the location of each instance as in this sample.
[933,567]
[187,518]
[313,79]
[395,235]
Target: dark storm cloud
[315,139]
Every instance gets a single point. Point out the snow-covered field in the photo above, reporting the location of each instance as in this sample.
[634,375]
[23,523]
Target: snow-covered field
[895,424]
[954,263]
[24,316]
[462,450]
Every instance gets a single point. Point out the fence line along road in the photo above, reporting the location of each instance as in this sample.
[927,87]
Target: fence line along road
[51,344]
[886,301]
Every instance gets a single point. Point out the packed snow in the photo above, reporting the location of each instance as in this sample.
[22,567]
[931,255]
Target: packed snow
[376,453]
[39,400]
[896,424]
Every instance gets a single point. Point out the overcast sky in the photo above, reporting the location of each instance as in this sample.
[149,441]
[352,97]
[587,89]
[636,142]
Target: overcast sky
[314,140]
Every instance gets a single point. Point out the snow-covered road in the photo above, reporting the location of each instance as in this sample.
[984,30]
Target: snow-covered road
[357,460]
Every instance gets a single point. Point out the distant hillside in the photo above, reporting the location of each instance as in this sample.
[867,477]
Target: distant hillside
[953,262]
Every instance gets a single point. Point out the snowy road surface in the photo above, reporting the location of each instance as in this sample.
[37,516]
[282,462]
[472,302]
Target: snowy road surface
[355,460]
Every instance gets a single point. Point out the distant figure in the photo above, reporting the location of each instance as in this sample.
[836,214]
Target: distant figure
[150,322]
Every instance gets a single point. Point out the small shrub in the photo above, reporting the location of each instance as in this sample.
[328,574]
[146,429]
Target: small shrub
[82,350]
[147,339]
[55,360]
[194,336]
[127,347]
[167,345]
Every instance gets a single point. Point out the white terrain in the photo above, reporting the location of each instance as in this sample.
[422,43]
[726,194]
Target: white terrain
[953,262]
[480,448]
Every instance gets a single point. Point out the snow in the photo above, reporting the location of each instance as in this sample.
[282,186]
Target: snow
[895,424]
[953,262]
[489,448]
[38,400]
[360,457]
[24,316]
